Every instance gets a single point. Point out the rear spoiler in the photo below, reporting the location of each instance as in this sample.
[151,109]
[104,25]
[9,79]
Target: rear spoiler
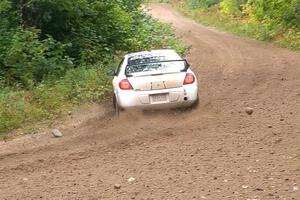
[186,66]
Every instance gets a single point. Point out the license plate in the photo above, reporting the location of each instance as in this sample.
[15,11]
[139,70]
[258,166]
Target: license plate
[159,98]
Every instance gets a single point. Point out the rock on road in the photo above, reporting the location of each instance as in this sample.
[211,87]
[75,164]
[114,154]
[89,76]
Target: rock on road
[215,152]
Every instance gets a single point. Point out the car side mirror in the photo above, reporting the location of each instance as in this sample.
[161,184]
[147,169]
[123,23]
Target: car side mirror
[110,73]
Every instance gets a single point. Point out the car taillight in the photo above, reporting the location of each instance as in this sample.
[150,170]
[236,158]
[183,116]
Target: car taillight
[125,85]
[189,79]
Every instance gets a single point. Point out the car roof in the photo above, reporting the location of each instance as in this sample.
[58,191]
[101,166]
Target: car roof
[169,54]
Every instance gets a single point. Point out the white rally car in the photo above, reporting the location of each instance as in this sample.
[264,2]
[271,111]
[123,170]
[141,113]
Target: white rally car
[154,80]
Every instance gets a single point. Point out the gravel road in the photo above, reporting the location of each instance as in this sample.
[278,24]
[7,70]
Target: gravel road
[215,152]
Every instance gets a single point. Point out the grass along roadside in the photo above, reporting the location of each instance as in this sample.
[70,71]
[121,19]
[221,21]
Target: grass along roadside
[22,108]
[288,37]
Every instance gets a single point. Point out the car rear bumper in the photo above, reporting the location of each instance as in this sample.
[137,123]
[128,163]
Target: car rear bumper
[176,97]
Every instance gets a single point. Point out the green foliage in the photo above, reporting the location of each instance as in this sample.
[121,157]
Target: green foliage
[286,12]
[268,20]
[26,60]
[54,53]
[102,25]
[20,107]
[8,18]
[232,7]
[154,35]
[277,11]
[42,39]
[130,5]
[194,4]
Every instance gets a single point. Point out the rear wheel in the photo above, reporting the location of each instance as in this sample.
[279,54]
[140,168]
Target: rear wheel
[116,106]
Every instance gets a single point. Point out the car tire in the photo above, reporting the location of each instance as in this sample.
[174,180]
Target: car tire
[116,106]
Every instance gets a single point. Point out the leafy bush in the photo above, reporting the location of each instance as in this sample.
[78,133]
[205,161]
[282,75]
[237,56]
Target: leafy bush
[154,35]
[269,20]
[232,7]
[44,39]
[102,25]
[26,60]
[286,12]
[202,3]
[53,53]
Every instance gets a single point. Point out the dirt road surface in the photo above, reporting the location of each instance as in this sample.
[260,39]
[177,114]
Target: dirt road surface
[214,152]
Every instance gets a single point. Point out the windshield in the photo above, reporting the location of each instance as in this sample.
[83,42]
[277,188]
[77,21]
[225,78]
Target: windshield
[154,65]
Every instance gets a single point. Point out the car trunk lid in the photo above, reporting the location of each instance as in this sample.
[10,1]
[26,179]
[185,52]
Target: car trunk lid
[157,81]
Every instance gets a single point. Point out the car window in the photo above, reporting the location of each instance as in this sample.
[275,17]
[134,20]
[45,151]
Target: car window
[119,67]
[171,66]
[141,59]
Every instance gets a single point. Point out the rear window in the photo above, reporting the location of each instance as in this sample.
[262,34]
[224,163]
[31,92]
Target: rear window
[141,59]
[153,64]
